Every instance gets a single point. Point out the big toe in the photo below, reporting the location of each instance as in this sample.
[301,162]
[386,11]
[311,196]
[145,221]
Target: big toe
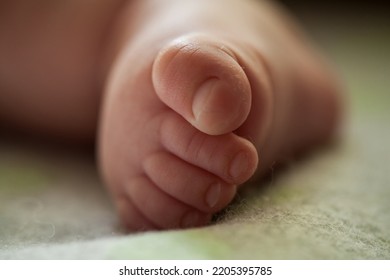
[200,79]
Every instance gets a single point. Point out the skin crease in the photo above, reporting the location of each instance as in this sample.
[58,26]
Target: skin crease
[182,102]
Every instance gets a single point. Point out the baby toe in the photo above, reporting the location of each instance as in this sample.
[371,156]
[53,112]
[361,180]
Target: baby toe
[188,183]
[132,218]
[229,156]
[202,81]
[162,209]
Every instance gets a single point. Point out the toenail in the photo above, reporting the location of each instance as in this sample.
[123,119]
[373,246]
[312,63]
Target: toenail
[239,165]
[213,194]
[217,107]
[190,219]
[203,97]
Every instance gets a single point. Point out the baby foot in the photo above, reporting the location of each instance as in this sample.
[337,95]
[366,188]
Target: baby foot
[177,116]
[166,172]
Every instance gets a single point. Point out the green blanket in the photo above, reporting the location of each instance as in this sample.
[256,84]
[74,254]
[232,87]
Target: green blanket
[333,204]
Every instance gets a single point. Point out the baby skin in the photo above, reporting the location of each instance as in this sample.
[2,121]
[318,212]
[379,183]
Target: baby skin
[187,100]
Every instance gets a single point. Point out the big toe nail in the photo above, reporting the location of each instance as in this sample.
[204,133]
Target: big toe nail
[219,108]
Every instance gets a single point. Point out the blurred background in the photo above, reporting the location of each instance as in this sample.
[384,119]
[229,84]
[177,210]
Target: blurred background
[356,36]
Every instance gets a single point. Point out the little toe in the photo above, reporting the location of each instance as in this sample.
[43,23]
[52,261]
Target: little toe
[229,156]
[188,183]
[161,209]
[201,80]
[132,219]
